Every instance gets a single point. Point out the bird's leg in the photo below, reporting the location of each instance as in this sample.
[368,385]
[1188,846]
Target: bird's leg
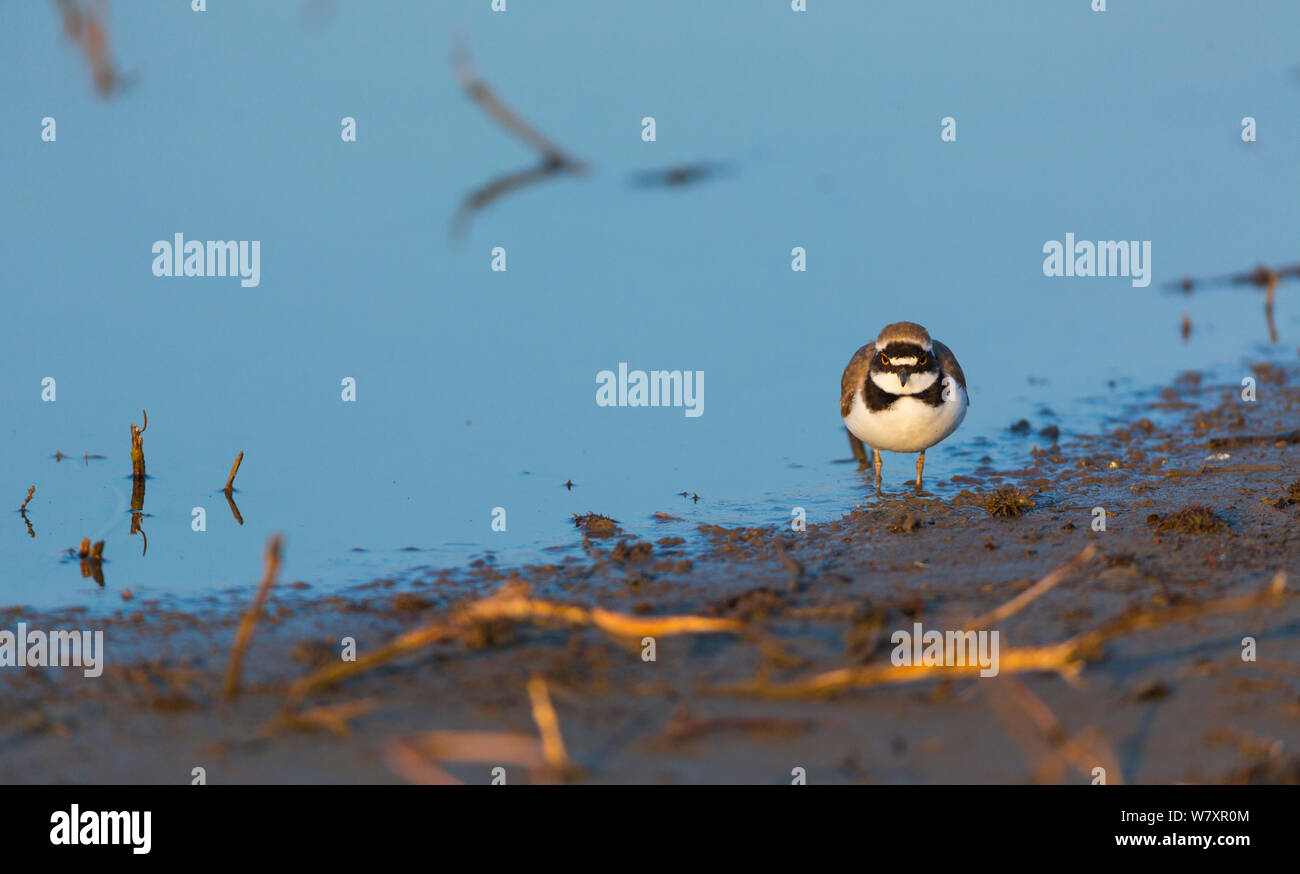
[859,453]
[920,466]
[879,464]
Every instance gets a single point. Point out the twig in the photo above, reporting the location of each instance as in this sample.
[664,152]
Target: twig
[333,717]
[234,469]
[137,448]
[413,758]
[1033,713]
[248,621]
[1248,439]
[1065,658]
[31,490]
[548,725]
[1037,590]
[519,609]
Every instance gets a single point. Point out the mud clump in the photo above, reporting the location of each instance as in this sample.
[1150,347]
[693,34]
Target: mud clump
[596,525]
[1290,497]
[1008,501]
[1191,519]
[634,551]
[409,601]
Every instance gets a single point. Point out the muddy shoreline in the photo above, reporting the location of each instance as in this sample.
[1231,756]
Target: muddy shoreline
[1168,703]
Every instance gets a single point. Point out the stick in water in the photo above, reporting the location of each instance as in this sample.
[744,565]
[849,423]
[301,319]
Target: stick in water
[249,620]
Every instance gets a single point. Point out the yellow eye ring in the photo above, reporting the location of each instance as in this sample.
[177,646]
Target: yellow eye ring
[924,358]
[884,359]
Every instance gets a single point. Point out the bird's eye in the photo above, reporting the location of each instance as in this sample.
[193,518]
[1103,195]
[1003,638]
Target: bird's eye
[924,358]
[884,359]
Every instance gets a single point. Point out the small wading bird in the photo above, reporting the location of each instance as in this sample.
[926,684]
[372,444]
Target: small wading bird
[1263,276]
[903,393]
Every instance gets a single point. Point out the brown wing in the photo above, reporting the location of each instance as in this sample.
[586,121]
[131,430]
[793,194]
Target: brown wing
[948,362]
[854,374]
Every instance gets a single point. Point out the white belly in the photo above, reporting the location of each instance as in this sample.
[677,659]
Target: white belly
[908,425]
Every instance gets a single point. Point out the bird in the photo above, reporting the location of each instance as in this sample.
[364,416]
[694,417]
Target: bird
[904,392]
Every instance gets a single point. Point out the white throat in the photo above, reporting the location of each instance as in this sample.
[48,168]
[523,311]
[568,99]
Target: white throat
[916,382]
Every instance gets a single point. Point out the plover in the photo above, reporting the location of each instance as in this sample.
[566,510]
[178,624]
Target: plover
[903,393]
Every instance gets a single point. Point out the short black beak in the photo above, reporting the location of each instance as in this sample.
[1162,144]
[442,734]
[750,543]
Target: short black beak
[902,377]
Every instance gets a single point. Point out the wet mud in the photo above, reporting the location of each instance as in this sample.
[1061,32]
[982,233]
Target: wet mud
[761,654]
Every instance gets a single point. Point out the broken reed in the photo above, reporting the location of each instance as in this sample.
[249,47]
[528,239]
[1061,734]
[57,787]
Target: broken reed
[248,621]
[234,469]
[91,552]
[137,448]
[31,490]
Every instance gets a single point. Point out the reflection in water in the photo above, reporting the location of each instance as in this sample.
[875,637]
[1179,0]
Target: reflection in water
[1263,276]
[31,490]
[92,560]
[137,513]
[234,508]
[680,175]
[138,476]
[554,159]
[230,488]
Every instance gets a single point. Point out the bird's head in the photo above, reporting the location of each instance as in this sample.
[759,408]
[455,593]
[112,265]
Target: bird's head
[904,363]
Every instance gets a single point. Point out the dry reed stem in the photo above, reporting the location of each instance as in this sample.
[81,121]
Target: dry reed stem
[1065,658]
[407,763]
[234,469]
[548,724]
[486,747]
[137,448]
[680,731]
[31,490]
[1041,725]
[333,717]
[248,621]
[1037,590]
[518,609]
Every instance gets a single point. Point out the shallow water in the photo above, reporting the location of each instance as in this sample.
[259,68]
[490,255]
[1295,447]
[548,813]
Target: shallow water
[476,389]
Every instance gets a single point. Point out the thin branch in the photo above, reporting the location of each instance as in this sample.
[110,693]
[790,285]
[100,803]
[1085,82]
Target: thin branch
[248,621]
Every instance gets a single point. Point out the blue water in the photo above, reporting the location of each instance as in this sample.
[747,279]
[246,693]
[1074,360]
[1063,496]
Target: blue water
[476,389]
